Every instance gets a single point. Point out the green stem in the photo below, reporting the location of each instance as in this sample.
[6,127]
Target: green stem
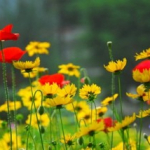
[62,128]
[33,104]
[119,84]
[6,93]
[14,99]
[141,126]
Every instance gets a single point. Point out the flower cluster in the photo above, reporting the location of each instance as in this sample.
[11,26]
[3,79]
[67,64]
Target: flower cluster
[60,113]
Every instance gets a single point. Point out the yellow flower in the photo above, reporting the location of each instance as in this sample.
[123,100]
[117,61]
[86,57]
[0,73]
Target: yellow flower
[144,113]
[28,65]
[85,116]
[67,90]
[68,139]
[141,93]
[89,92]
[43,120]
[37,48]
[124,123]
[144,54]
[116,66]
[27,99]
[50,90]
[69,69]
[91,129]
[12,106]
[100,111]
[78,106]
[58,101]
[122,146]
[34,72]
[5,142]
[109,100]
[142,77]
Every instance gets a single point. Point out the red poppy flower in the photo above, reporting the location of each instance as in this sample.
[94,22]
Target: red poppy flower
[109,122]
[142,66]
[11,54]
[54,78]
[5,33]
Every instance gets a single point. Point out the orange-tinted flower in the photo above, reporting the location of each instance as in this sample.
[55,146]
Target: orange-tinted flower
[141,73]
[11,54]
[144,65]
[5,33]
[54,78]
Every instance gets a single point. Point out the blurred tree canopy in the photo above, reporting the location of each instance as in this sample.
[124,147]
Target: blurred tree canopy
[79,30]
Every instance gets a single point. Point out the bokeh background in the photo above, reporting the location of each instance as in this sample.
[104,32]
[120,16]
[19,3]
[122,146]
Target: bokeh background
[78,31]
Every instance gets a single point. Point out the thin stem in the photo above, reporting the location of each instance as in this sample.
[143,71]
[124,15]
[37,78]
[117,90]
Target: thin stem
[14,99]
[33,104]
[78,125]
[95,109]
[6,93]
[141,126]
[119,84]
[62,128]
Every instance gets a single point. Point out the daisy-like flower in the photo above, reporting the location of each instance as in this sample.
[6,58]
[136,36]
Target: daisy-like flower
[5,142]
[109,100]
[100,111]
[43,120]
[86,116]
[124,123]
[144,113]
[144,54]
[69,69]
[12,106]
[89,92]
[91,129]
[69,139]
[115,67]
[67,90]
[11,54]
[141,72]
[78,106]
[27,98]
[50,90]
[37,48]
[27,65]
[141,93]
[122,146]
[5,33]
[34,72]
[58,101]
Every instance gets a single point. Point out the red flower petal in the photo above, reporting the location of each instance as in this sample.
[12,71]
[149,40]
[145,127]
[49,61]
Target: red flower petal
[54,78]
[142,66]
[12,54]
[109,122]
[5,33]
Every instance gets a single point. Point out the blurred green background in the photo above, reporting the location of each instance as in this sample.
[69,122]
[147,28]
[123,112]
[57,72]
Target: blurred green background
[78,31]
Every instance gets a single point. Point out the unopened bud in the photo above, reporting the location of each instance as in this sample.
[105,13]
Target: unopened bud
[19,117]
[80,141]
[109,44]
[145,135]
[41,110]
[42,129]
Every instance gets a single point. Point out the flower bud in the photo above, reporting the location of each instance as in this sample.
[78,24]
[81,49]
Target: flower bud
[109,44]
[4,124]
[42,129]
[80,141]
[41,110]
[19,117]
